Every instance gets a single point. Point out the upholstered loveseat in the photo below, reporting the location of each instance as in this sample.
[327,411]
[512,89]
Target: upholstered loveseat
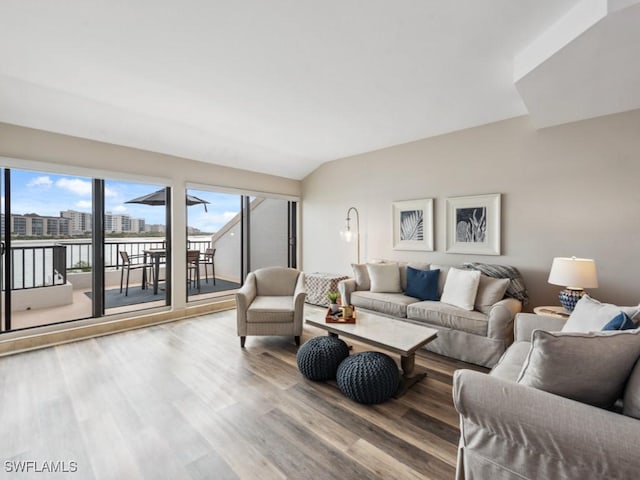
[559,404]
[478,335]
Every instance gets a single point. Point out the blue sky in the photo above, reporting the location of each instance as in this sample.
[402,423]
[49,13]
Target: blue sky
[48,194]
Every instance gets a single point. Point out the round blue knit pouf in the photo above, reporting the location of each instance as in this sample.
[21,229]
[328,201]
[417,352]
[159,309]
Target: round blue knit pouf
[368,377]
[318,358]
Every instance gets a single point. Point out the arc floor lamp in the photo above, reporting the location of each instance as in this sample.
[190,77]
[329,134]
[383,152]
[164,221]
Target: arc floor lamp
[348,234]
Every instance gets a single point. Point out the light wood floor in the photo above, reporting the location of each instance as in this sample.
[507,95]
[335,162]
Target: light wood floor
[182,401]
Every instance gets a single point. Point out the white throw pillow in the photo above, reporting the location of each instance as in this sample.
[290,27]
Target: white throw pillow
[461,288]
[588,367]
[590,315]
[385,277]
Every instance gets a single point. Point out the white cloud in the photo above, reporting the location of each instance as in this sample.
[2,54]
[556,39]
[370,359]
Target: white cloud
[43,181]
[120,208]
[83,204]
[226,216]
[75,185]
[210,222]
[78,187]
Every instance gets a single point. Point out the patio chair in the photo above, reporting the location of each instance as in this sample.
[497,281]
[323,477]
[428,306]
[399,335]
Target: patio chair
[193,267]
[209,259]
[271,302]
[131,262]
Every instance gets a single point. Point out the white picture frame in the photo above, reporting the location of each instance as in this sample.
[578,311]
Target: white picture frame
[413,225]
[473,224]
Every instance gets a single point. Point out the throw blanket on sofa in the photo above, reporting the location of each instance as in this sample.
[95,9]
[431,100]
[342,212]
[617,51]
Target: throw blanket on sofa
[516,289]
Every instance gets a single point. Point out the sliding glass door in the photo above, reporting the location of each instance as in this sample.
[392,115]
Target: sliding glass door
[214,241]
[268,232]
[74,247]
[46,228]
[136,244]
[234,234]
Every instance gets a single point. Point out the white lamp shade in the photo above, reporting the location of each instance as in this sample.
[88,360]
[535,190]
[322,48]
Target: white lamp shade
[575,273]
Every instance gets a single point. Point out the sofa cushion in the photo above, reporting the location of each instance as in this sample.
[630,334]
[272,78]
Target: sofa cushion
[516,289]
[632,393]
[461,288]
[448,316]
[490,291]
[510,364]
[394,304]
[361,275]
[590,315]
[422,284]
[270,309]
[588,367]
[385,277]
[444,271]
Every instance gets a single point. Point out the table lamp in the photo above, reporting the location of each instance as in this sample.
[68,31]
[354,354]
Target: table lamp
[575,274]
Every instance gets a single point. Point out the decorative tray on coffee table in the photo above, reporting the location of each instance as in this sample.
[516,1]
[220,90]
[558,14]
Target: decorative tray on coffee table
[331,318]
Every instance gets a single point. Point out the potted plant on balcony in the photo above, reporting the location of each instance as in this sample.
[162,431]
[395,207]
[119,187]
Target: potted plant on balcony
[333,301]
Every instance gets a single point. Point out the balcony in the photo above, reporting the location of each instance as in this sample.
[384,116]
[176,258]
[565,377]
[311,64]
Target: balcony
[51,282]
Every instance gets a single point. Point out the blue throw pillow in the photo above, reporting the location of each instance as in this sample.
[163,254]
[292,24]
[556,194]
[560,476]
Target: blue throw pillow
[422,284]
[620,322]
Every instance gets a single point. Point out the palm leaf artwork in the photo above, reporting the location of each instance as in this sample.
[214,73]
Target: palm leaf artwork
[411,225]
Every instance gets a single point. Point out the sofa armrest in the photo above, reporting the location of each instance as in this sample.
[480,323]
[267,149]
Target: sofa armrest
[501,319]
[346,288]
[542,435]
[526,323]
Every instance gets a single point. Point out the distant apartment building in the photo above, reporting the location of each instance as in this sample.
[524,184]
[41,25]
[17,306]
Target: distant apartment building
[116,223]
[113,223]
[138,225]
[34,225]
[80,222]
[154,227]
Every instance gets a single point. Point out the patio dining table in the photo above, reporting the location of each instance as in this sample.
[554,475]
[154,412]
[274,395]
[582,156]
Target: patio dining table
[156,254]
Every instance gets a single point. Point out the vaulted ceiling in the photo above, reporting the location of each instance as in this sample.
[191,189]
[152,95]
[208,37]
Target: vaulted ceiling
[282,86]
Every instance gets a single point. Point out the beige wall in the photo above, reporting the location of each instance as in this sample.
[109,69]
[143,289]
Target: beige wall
[567,190]
[28,145]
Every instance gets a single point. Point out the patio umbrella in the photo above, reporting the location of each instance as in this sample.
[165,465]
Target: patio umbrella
[159,198]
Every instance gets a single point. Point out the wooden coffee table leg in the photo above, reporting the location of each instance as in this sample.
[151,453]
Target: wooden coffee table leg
[331,334]
[407,380]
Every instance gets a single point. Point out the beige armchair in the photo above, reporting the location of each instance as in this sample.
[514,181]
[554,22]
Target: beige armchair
[271,302]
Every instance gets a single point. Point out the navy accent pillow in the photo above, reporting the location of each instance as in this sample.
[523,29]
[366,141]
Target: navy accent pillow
[620,322]
[422,284]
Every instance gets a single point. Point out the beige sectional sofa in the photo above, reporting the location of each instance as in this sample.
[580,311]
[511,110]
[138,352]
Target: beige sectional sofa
[511,430]
[478,336]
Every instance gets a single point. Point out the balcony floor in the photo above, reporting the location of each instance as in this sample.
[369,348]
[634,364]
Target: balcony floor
[116,302]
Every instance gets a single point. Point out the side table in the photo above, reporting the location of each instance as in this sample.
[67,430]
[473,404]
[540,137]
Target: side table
[552,311]
[319,284]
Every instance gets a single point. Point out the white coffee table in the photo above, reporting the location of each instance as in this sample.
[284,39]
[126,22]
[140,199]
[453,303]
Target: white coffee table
[384,332]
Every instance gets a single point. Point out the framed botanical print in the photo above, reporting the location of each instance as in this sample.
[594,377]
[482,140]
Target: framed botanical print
[473,224]
[413,225]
